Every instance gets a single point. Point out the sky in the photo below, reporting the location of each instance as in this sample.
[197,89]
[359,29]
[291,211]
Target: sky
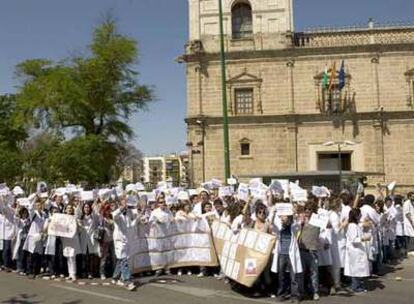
[55,29]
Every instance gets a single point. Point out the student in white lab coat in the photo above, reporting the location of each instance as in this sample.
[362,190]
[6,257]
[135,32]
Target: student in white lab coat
[34,240]
[356,258]
[286,256]
[125,218]
[88,220]
[22,223]
[71,246]
[400,244]
[8,232]
[408,212]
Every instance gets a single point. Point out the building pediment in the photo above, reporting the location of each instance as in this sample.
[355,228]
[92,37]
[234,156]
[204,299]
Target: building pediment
[244,77]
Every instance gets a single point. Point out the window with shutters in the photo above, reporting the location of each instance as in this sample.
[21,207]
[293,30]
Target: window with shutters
[243,101]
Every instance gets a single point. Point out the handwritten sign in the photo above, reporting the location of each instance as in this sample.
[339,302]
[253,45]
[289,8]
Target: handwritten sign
[319,220]
[284,209]
[62,225]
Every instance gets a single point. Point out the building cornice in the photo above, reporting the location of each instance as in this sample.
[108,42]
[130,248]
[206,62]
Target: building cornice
[295,52]
[303,118]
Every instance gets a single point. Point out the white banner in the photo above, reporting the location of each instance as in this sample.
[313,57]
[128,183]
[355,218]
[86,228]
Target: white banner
[173,244]
[63,225]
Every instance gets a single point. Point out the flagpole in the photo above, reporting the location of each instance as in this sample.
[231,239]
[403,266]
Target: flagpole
[224,98]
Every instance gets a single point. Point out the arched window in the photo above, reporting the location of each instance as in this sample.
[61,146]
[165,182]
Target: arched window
[241,20]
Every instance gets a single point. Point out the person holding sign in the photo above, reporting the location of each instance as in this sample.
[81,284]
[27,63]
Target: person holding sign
[286,255]
[34,243]
[308,239]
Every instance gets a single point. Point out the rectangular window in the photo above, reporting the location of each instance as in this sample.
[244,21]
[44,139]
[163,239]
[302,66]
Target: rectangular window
[245,149]
[244,101]
[330,161]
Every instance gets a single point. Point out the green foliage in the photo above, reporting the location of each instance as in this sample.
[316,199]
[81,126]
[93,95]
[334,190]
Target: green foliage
[94,94]
[89,158]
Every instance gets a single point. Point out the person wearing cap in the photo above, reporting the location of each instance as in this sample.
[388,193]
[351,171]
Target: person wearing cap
[125,218]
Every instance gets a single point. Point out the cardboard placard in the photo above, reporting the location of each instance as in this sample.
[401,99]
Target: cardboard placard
[62,225]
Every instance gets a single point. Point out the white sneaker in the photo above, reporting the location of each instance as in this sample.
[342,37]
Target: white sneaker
[90,277]
[189,272]
[200,275]
[131,286]
[120,283]
[113,281]
[316,297]
[53,277]
[103,277]
[179,273]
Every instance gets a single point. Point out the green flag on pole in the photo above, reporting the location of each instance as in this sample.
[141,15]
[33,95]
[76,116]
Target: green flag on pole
[325,78]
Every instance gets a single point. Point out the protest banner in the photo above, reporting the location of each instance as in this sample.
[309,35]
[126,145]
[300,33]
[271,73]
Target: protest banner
[170,245]
[63,225]
[243,256]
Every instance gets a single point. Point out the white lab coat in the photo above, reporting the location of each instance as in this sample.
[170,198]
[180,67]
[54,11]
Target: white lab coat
[88,228]
[20,226]
[356,258]
[294,254]
[7,226]
[399,221]
[325,255]
[161,216]
[124,224]
[71,246]
[369,213]
[33,243]
[408,208]
[337,253]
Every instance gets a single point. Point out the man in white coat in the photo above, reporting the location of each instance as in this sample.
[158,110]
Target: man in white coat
[125,218]
[286,255]
[408,212]
[7,232]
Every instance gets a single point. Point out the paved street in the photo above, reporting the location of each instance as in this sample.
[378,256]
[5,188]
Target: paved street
[21,290]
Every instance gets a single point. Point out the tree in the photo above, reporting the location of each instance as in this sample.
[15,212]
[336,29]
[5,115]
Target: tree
[91,95]
[11,137]
[84,159]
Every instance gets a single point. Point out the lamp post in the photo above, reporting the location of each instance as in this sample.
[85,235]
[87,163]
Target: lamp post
[339,144]
[224,96]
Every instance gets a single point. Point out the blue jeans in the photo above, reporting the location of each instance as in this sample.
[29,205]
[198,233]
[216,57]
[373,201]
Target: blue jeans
[122,270]
[284,264]
[7,253]
[357,284]
[310,263]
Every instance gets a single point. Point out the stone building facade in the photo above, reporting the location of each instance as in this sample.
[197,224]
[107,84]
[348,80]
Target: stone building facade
[282,118]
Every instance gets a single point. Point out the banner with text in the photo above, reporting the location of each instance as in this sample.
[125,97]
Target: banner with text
[170,245]
[62,225]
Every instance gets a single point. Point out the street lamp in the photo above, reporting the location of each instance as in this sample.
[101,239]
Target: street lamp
[339,144]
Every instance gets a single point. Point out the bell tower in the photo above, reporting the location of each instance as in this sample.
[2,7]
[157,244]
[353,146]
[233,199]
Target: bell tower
[262,22]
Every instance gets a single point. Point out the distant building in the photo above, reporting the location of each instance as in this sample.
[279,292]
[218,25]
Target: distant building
[282,113]
[173,167]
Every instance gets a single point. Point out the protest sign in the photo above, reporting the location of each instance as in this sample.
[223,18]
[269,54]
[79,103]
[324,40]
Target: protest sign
[284,209]
[62,225]
[243,256]
[319,220]
[169,245]
[243,192]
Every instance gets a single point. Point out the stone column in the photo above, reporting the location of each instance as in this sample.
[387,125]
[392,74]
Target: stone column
[379,147]
[375,81]
[292,146]
[290,86]
[199,79]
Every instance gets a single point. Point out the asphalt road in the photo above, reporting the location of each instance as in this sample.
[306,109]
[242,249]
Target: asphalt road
[192,290]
